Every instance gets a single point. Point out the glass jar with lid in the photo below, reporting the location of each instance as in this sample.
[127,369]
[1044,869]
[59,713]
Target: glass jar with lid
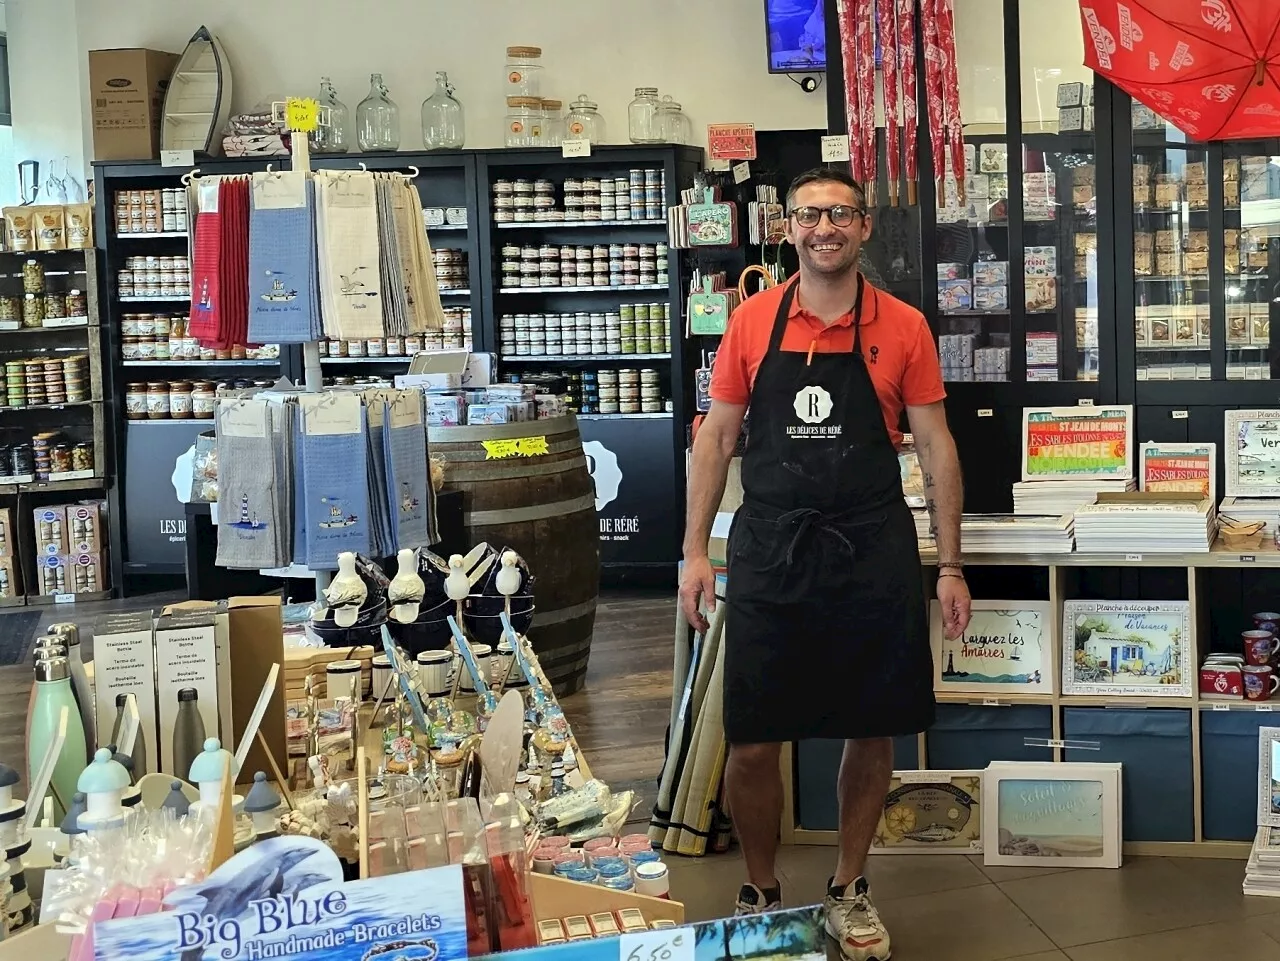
[673,123]
[524,122]
[583,121]
[642,117]
[524,71]
[552,122]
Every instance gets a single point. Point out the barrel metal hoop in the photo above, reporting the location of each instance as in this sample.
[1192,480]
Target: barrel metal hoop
[543,618]
[536,512]
[472,471]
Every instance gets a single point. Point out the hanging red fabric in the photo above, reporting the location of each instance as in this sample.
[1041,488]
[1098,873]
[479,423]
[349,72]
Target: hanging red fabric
[847,19]
[206,300]
[905,15]
[933,93]
[946,21]
[866,130]
[887,29]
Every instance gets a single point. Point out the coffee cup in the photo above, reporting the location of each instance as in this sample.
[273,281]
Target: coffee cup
[1259,646]
[1259,682]
[1267,621]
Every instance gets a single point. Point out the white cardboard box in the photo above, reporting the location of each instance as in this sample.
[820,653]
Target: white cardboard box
[186,656]
[439,369]
[124,663]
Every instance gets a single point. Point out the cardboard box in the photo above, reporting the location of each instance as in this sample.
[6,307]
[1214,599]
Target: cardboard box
[10,578]
[124,663]
[50,531]
[85,534]
[7,546]
[256,641]
[52,574]
[126,89]
[1040,261]
[436,370]
[186,657]
[991,298]
[991,273]
[444,410]
[89,573]
[954,295]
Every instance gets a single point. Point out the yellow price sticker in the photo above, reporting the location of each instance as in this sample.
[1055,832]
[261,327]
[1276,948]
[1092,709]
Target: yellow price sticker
[516,447]
[301,114]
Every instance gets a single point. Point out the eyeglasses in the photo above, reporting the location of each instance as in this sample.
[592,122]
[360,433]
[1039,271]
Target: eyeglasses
[840,215]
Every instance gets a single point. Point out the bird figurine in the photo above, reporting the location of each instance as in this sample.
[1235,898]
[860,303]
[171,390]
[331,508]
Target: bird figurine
[508,579]
[457,585]
[346,592]
[71,823]
[176,801]
[407,588]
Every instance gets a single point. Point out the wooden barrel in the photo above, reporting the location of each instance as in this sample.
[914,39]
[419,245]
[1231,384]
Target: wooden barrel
[526,486]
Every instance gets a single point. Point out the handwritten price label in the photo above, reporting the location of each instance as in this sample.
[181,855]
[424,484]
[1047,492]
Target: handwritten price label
[670,944]
[516,447]
[301,114]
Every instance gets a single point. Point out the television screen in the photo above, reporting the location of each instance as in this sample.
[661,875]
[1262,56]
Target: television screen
[796,36]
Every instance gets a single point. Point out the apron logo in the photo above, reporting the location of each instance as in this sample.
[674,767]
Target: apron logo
[602,464]
[875,354]
[813,405]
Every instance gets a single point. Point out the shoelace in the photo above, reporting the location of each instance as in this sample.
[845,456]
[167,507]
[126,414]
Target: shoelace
[858,911]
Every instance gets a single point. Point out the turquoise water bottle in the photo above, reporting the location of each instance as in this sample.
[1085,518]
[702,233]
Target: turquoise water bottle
[53,693]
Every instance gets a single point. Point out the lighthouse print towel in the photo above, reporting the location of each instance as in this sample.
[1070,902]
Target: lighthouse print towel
[284,298]
[246,486]
[335,467]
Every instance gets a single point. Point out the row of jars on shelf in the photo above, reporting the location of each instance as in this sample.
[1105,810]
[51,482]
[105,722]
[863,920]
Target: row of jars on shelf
[531,119]
[178,399]
[49,452]
[46,380]
[151,211]
[31,310]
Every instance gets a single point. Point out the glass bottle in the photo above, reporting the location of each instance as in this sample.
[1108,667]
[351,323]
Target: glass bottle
[673,124]
[333,138]
[642,116]
[378,118]
[583,121]
[443,121]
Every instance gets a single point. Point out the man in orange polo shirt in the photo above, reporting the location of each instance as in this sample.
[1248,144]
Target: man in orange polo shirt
[826,633]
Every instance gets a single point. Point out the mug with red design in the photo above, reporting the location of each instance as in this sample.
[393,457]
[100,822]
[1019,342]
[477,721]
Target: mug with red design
[1267,621]
[1259,646]
[1259,682]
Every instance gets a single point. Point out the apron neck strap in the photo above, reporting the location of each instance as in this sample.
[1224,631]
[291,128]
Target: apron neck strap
[784,313]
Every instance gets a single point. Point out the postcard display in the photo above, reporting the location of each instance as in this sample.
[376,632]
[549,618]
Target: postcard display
[1117,679]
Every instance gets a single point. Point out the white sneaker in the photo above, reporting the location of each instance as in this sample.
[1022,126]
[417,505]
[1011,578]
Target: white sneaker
[753,900]
[854,923]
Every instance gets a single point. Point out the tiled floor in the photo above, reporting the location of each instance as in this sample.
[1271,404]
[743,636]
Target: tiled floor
[941,908]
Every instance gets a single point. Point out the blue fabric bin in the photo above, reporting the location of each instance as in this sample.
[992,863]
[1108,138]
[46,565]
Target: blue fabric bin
[817,764]
[1154,745]
[968,736]
[1229,772]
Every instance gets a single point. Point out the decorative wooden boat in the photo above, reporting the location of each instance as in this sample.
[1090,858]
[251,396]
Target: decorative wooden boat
[198,102]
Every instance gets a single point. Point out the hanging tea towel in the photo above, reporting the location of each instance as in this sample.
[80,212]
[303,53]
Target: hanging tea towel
[426,312]
[336,477]
[282,429]
[382,535]
[408,472]
[205,258]
[393,293]
[284,306]
[247,537]
[347,242]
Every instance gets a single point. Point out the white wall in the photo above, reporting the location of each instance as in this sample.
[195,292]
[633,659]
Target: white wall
[600,47]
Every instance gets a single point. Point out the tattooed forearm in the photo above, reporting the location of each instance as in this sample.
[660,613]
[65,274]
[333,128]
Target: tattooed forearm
[932,507]
[940,469]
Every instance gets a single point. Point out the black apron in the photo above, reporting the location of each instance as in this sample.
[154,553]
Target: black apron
[826,633]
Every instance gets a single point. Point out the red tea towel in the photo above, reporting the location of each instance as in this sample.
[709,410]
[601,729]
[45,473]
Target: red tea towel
[233,321]
[205,255]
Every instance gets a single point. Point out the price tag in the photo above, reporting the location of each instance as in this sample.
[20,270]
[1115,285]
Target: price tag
[991,702]
[1248,558]
[1086,402]
[1133,557]
[923,777]
[71,599]
[301,114]
[666,944]
[1222,707]
[741,172]
[10,325]
[716,163]
[835,147]
[1178,414]
[1053,742]
[177,158]
[575,148]
[1264,708]
[985,412]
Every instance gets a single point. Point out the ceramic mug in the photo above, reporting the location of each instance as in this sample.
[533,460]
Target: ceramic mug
[1259,646]
[1267,621]
[1259,682]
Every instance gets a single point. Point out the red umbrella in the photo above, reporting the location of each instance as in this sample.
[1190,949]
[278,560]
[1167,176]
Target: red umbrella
[1209,67]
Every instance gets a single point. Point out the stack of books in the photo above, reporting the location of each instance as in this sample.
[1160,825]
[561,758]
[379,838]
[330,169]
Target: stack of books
[1262,871]
[1146,523]
[1248,510]
[1005,534]
[1057,497]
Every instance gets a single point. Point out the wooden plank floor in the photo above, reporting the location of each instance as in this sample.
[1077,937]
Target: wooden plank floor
[620,717]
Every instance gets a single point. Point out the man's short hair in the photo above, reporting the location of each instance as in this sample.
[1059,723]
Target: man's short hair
[820,175]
